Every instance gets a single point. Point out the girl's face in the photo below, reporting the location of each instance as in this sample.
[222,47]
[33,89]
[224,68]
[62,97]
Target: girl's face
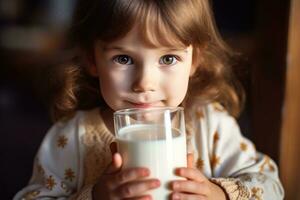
[134,75]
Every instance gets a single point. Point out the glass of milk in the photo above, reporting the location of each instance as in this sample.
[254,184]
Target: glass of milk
[153,138]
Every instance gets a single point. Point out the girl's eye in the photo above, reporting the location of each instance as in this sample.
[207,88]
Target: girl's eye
[168,60]
[123,60]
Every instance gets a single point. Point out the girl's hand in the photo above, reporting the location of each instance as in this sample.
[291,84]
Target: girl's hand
[115,184]
[197,186]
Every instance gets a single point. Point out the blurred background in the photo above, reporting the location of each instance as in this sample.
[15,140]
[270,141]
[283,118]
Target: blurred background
[31,41]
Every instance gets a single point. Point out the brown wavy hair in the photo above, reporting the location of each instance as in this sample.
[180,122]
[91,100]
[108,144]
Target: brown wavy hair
[161,22]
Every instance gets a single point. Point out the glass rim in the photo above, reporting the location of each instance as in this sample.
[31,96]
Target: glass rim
[130,111]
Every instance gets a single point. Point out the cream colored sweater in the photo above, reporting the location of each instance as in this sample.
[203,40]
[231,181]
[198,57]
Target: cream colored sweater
[74,154]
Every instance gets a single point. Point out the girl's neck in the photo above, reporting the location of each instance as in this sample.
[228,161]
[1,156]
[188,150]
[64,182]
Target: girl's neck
[107,116]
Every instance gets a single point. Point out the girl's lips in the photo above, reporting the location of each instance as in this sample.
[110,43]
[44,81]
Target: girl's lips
[142,105]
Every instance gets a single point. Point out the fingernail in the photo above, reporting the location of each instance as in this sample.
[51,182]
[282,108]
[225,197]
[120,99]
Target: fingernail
[178,171]
[155,183]
[146,172]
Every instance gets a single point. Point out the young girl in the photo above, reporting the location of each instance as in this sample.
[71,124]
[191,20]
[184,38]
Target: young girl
[143,54]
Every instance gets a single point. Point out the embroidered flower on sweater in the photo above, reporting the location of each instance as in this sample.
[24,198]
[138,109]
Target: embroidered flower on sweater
[243,146]
[200,164]
[199,113]
[50,183]
[69,174]
[62,141]
[257,193]
[267,163]
[216,137]
[215,160]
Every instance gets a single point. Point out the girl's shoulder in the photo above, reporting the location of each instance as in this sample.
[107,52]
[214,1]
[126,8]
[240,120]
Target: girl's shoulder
[73,126]
[211,117]
[208,111]
[78,119]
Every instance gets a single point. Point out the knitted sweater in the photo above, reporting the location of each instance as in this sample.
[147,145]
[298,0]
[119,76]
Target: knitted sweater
[74,154]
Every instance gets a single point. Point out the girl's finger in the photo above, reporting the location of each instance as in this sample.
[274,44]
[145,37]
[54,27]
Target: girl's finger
[190,187]
[117,161]
[191,173]
[136,188]
[182,196]
[128,175]
[115,165]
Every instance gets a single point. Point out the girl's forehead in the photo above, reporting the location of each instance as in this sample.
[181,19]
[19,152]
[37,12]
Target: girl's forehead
[152,39]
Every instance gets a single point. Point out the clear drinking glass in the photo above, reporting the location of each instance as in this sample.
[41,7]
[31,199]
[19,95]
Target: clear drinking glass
[154,138]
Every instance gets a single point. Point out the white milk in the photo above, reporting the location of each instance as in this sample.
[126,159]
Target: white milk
[147,146]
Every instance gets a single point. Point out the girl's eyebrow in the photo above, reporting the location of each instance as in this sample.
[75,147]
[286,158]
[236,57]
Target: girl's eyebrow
[120,48]
[110,48]
[175,49]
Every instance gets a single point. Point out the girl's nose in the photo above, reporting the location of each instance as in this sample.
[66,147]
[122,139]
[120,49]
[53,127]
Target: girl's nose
[145,80]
